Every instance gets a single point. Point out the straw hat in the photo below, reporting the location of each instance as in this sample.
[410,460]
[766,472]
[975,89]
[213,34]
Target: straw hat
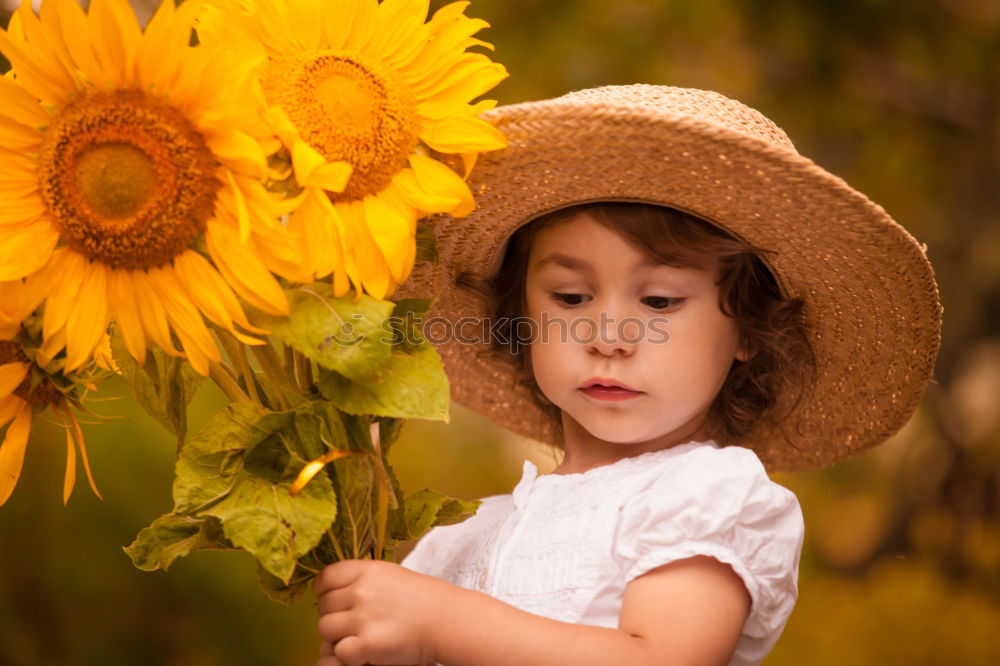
[872,307]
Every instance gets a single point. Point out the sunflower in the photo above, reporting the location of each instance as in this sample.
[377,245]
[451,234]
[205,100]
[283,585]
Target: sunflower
[131,185]
[20,397]
[362,94]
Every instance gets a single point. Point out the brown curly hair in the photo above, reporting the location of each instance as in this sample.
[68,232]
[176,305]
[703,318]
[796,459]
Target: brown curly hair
[771,326]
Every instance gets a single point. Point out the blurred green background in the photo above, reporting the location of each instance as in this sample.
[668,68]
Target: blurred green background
[902,557]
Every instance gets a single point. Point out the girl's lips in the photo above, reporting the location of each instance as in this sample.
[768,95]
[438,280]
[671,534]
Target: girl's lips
[612,393]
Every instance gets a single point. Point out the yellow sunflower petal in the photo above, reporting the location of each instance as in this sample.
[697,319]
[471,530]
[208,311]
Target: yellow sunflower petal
[357,33]
[83,450]
[43,33]
[426,202]
[374,271]
[12,310]
[121,300]
[88,320]
[243,270]
[114,38]
[62,298]
[391,233]
[18,210]
[17,136]
[39,285]
[21,106]
[305,22]
[186,321]
[437,179]
[315,219]
[151,313]
[232,198]
[353,215]
[451,36]
[166,36]
[312,169]
[400,31]
[211,295]
[462,134]
[72,25]
[441,100]
[69,480]
[12,451]
[11,376]
[55,341]
[50,84]
[238,150]
[9,407]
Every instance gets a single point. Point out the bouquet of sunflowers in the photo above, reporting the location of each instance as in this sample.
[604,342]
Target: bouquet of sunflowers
[234,192]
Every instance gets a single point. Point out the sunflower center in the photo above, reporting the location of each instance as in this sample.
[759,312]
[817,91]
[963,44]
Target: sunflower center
[127,179]
[115,179]
[44,393]
[350,109]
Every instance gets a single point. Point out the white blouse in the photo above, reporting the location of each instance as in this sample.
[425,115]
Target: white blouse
[566,546]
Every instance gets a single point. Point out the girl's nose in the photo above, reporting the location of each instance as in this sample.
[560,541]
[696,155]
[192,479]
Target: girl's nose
[611,335]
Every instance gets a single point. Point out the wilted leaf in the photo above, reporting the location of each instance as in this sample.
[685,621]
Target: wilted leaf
[208,464]
[171,536]
[164,385]
[285,593]
[428,508]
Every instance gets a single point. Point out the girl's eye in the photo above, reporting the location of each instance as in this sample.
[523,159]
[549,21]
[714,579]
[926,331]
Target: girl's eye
[661,302]
[569,299]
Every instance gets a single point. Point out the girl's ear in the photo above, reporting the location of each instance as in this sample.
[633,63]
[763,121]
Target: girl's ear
[743,352]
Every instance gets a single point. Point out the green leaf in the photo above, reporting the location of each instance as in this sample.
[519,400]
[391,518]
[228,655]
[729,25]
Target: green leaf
[407,321]
[164,385]
[356,484]
[208,464]
[171,536]
[410,385]
[276,528]
[428,508]
[341,334]
[285,593]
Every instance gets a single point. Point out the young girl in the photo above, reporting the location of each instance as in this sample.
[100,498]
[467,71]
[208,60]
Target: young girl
[677,299]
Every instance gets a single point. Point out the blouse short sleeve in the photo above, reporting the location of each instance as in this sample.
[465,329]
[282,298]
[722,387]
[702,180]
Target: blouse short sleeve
[720,502]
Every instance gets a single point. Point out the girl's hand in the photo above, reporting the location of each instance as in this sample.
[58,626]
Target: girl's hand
[374,612]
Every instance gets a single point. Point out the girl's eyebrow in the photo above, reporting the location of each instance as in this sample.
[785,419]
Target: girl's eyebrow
[582,265]
[566,261]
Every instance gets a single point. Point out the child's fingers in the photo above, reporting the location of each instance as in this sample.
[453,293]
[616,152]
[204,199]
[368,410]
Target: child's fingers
[326,649]
[338,574]
[329,661]
[334,601]
[336,626]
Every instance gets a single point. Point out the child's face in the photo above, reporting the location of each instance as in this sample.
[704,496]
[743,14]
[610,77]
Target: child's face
[664,336]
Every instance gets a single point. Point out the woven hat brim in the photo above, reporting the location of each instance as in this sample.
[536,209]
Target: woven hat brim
[872,304]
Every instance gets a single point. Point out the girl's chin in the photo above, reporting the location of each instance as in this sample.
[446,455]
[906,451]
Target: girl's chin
[621,436]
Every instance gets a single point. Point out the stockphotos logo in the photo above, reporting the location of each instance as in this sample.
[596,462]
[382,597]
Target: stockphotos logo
[510,332]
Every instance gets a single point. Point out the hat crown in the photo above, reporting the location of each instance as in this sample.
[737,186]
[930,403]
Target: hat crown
[689,103]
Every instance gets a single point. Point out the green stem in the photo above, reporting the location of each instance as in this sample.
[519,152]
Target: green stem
[273,369]
[336,544]
[224,380]
[303,371]
[237,354]
[382,494]
[289,361]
